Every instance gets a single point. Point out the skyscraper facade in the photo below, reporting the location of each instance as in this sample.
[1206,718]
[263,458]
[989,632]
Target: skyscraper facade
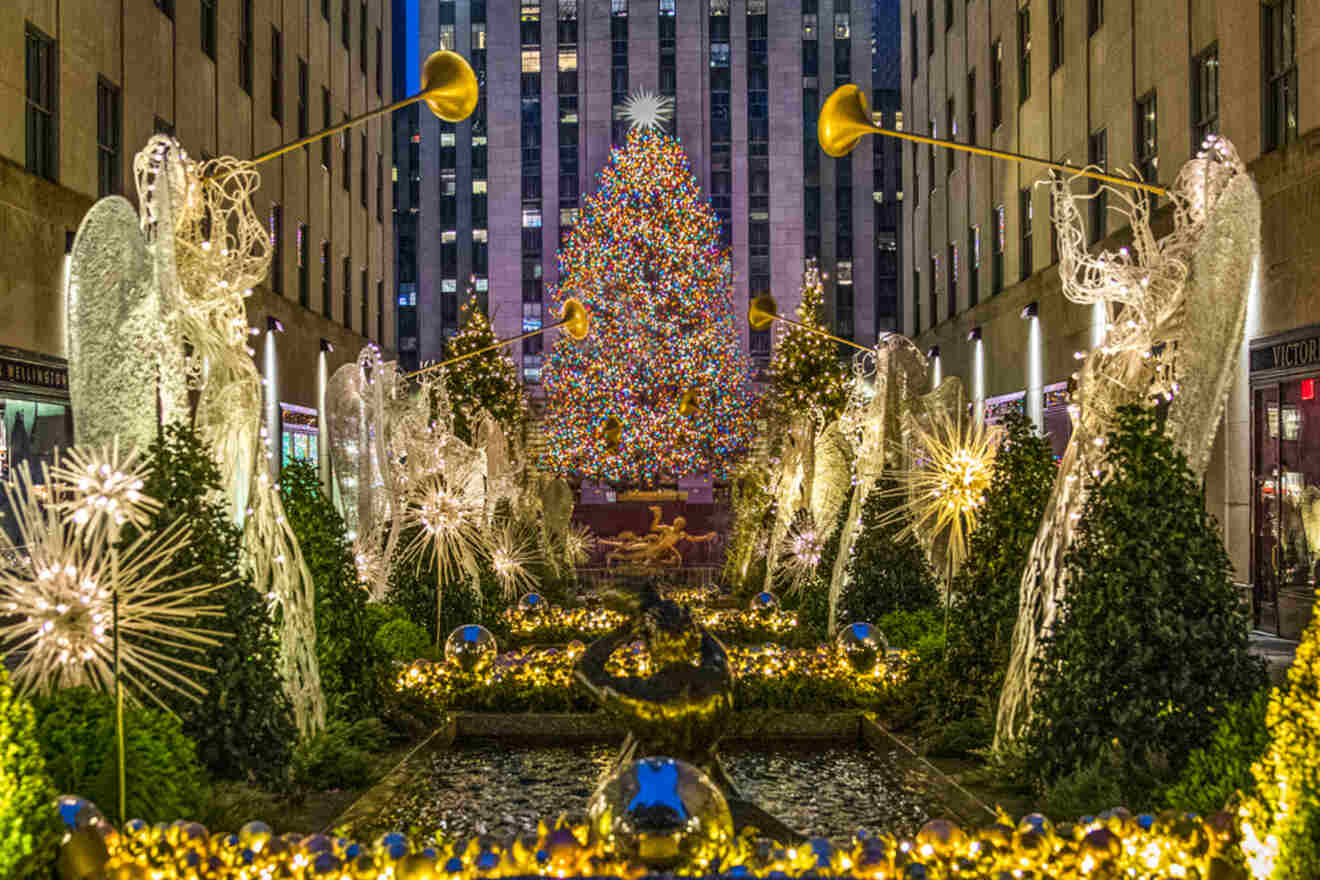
[496,195]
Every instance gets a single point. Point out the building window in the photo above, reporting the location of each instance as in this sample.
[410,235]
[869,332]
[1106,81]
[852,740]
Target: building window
[1098,155]
[380,188]
[971,106]
[916,301]
[165,6]
[41,97]
[276,76]
[1148,144]
[1056,34]
[304,271]
[345,28]
[245,46]
[277,249]
[302,98]
[948,15]
[348,293]
[208,28]
[160,126]
[1205,95]
[953,279]
[1024,219]
[1024,53]
[997,250]
[930,27]
[912,29]
[347,143]
[916,182]
[108,137]
[932,295]
[325,9]
[362,56]
[951,120]
[326,269]
[973,265]
[1095,16]
[996,84]
[364,304]
[1280,33]
[380,311]
[362,173]
[380,63]
[842,26]
[325,123]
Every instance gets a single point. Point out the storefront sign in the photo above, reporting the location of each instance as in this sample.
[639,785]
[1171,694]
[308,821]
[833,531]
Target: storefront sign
[34,375]
[1287,355]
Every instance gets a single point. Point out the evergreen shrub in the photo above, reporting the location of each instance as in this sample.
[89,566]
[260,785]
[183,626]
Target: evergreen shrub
[243,726]
[343,644]
[888,570]
[165,782]
[1150,647]
[27,794]
[1222,767]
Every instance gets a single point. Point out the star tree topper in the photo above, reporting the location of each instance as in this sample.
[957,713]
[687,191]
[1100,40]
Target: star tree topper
[645,109]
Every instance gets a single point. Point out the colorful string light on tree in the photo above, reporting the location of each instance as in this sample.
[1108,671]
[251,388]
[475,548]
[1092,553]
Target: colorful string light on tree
[646,261]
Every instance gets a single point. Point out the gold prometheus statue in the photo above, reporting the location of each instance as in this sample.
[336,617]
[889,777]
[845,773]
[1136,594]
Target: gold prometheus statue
[657,548]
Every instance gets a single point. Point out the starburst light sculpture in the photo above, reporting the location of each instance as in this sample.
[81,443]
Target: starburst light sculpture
[944,488]
[444,515]
[58,591]
[805,545]
[106,489]
[579,543]
[513,550]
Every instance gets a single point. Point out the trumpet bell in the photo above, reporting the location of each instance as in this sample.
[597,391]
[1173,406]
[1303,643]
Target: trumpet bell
[575,319]
[762,312]
[612,433]
[449,86]
[844,120]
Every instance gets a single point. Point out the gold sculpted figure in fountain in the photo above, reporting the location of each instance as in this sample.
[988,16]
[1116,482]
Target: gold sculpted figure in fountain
[657,548]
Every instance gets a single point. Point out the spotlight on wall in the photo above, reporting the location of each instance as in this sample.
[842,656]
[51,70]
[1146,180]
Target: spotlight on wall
[327,346]
[274,324]
[974,334]
[933,352]
[1030,310]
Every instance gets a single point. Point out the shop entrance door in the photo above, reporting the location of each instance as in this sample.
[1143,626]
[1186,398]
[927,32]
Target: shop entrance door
[1286,489]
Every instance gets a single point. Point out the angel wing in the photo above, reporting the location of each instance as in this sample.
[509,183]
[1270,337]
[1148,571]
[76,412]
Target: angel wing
[114,323]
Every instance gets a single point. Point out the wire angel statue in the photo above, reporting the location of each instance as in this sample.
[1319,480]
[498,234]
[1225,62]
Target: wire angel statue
[1175,312]
[156,314]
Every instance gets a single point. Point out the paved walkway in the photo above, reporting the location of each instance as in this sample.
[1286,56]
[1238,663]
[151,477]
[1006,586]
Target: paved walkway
[1277,652]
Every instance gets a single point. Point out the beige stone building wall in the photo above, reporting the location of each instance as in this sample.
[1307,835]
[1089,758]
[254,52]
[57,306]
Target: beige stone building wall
[1139,48]
[157,62]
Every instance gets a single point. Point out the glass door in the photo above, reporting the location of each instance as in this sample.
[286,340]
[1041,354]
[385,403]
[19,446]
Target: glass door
[1286,438]
[1265,500]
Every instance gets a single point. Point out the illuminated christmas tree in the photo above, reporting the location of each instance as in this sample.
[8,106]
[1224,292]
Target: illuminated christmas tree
[806,375]
[486,381]
[645,259]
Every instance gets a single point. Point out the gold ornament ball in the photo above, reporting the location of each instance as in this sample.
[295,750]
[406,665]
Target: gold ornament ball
[471,648]
[417,866]
[944,838]
[862,646]
[764,604]
[661,812]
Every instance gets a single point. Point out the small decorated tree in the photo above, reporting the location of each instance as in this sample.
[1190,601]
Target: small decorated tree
[662,362]
[806,375]
[889,570]
[487,381]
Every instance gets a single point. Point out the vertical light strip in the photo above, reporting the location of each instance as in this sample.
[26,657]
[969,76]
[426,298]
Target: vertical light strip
[1035,382]
[938,374]
[978,381]
[322,441]
[270,378]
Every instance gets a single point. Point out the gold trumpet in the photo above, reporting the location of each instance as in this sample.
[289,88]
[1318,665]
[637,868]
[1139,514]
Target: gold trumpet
[573,320]
[845,119]
[763,311]
[449,88]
